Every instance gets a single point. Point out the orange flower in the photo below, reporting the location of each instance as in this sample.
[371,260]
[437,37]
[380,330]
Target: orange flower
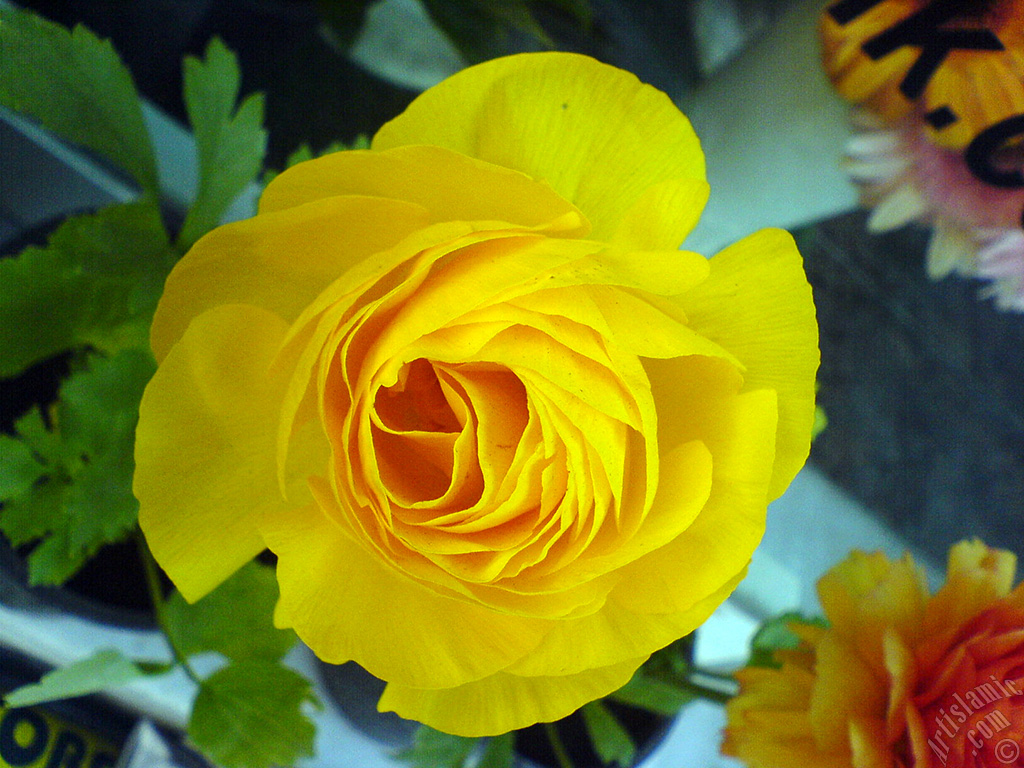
[962,61]
[901,679]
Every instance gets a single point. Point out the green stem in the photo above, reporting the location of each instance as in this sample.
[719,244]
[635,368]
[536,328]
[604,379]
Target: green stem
[711,694]
[723,677]
[157,597]
[561,754]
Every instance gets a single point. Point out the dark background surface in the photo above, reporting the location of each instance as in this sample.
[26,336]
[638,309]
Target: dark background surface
[923,386]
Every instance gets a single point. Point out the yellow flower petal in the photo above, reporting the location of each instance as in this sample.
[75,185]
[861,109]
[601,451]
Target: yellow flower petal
[278,261]
[740,433]
[663,215]
[305,344]
[204,452]
[977,576]
[556,370]
[504,702]
[596,134]
[787,689]
[769,723]
[472,190]
[615,634]
[471,279]
[846,687]
[644,327]
[394,276]
[663,273]
[868,746]
[901,667]
[346,604]
[757,304]
[867,595]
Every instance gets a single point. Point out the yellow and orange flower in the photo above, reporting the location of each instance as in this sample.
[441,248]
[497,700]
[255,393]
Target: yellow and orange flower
[505,439]
[970,72]
[900,679]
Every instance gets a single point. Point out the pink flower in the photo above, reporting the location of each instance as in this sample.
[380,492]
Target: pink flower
[906,178]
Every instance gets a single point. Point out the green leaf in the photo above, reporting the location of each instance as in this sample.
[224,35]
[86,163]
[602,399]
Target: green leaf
[499,752]
[231,143]
[480,28]
[119,240]
[99,672]
[19,469]
[34,513]
[53,560]
[236,619]
[515,15]
[36,509]
[434,749]
[663,697]
[75,85]
[301,154]
[673,662]
[83,497]
[98,504]
[610,740]
[83,287]
[304,152]
[249,715]
[776,634]
[38,284]
[99,405]
[31,428]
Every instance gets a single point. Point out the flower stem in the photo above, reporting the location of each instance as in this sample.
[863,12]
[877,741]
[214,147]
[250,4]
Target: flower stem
[561,754]
[157,598]
[713,686]
[719,676]
[708,693]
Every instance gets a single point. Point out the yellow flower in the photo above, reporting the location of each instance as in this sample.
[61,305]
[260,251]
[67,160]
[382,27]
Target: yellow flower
[505,439]
[901,679]
[960,62]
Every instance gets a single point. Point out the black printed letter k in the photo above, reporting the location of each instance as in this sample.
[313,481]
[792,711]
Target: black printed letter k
[923,29]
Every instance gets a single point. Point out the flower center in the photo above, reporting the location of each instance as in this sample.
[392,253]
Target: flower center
[417,433]
[973,709]
[416,403]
